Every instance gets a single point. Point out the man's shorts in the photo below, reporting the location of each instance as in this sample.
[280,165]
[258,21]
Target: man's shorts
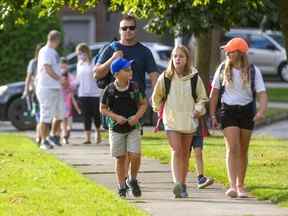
[51,102]
[121,143]
[237,116]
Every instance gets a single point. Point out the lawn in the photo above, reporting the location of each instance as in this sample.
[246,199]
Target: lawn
[33,182]
[268,161]
[278,94]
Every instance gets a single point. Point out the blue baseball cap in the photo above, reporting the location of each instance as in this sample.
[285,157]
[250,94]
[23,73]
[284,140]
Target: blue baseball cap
[119,64]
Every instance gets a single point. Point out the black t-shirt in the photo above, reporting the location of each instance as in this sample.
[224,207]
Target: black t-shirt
[124,103]
[143,60]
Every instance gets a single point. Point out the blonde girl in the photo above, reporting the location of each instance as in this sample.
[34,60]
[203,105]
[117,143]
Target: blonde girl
[180,112]
[238,115]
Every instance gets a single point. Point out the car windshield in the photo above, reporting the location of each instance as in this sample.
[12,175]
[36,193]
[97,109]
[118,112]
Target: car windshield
[164,54]
[278,38]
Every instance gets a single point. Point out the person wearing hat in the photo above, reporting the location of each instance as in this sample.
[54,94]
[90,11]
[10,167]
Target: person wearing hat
[124,104]
[236,83]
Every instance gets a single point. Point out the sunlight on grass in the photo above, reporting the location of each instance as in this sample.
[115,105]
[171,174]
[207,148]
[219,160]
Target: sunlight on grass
[33,182]
[268,161]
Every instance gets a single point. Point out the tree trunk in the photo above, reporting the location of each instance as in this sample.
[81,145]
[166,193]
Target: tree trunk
[217,34]
[283,13]
[203,54]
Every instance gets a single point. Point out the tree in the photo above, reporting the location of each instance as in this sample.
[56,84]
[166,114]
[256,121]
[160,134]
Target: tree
[194,16]
[19,42]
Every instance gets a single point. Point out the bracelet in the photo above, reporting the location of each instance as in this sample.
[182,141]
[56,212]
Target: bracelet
[213,116]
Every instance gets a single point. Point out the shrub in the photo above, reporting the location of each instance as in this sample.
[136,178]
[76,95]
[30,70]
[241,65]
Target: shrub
[18,42]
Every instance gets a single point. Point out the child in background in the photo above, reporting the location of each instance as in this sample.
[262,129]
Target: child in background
[197,145]
[69,101]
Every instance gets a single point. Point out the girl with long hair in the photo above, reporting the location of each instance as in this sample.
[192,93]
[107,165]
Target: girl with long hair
[180,112]
[236,82]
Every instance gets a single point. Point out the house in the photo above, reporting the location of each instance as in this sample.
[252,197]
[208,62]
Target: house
[97,24]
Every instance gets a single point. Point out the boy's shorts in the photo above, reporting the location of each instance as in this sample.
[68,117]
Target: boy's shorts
[121,143]
[197,142]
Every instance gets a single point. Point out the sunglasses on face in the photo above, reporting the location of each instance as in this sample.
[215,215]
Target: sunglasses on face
[125,28]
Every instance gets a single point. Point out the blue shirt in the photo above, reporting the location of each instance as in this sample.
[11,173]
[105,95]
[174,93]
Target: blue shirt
[143,61]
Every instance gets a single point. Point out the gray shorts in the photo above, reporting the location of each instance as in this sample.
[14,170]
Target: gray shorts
[121,143]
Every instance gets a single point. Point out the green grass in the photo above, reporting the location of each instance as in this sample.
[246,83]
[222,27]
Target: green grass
[267,171]
[33,182]
[278,94]
[274,112]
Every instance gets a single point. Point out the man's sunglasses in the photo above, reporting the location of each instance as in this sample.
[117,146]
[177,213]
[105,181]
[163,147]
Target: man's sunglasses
[125,28]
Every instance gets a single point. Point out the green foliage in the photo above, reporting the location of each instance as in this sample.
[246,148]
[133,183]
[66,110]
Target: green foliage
[198,16]
[18,43]
[268,160]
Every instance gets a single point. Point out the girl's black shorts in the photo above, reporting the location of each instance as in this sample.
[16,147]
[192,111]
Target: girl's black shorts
[237,116]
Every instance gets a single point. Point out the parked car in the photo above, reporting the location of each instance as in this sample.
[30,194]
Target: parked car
[266,50]
[14,109]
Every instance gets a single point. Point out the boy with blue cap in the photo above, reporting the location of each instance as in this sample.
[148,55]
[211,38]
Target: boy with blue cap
[124,104]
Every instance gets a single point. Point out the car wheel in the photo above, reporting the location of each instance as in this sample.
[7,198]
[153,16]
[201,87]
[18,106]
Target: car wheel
[283,71]
[17,114]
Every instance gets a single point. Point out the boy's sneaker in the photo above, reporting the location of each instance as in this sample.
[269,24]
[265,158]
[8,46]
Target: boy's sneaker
[54,140]
[45,145]
[204,182]
[133,185]
[122,192]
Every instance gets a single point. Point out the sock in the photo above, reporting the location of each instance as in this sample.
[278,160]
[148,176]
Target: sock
[200,176]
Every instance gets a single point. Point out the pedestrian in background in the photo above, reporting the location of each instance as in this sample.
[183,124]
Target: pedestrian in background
[49,90]
[88,93]
[30,89]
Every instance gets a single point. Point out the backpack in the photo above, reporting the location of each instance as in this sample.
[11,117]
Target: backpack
[222,88]
[108,78]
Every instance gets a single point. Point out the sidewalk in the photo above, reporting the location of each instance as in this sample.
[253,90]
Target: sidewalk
[95,162]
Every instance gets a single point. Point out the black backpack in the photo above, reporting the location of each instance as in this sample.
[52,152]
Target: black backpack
[202,120]
[108,78]
[222,88]
[194,79]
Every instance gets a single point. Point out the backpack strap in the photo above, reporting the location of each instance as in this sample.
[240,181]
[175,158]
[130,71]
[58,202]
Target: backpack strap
[252,77]
[221,78]
[193,81]
[167,85]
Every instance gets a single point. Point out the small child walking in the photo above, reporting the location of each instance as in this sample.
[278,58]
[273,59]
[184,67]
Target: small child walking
[69,102]
[124,104]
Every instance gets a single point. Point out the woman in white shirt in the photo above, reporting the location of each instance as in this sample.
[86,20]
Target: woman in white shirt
[88,92]
[236,82]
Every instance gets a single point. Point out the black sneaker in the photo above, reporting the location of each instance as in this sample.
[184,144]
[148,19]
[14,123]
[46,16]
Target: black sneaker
[54,140]
[133,185]
[204,182]
[184,193]
[122,192]
[45,145]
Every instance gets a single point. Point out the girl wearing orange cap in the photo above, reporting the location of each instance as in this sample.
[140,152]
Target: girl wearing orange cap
[236,83]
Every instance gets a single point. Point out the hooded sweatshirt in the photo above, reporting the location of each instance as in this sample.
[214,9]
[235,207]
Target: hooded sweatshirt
[179,108]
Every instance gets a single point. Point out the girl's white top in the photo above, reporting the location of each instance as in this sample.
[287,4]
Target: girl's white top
[236,93]
[87,86]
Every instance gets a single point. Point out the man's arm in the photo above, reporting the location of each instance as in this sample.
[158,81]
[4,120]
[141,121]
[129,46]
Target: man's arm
[153,76]
[51,73]
[100,70]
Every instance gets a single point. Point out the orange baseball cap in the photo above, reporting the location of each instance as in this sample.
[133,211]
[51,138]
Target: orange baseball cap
[236,44]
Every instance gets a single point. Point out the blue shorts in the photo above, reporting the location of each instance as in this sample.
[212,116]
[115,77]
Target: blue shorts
[197,142]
